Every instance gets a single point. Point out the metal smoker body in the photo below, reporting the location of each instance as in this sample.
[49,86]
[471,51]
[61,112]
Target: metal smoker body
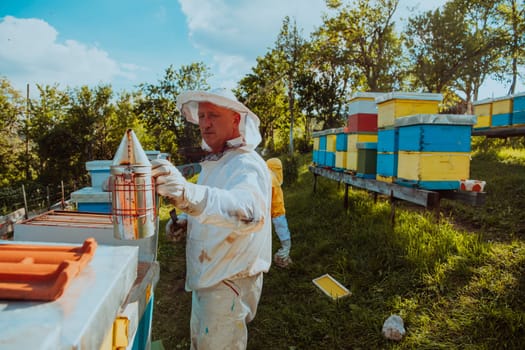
[134,199]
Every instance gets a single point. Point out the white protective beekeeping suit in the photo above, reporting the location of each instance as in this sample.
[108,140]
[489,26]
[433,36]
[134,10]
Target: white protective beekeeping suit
[229,236]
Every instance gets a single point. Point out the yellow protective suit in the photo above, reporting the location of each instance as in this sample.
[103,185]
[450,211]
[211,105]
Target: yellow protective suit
[276,171]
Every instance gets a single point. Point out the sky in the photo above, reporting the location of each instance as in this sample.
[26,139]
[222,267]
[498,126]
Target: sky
[128,42]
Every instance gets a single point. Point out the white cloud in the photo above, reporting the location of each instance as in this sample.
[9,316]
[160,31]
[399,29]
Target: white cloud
[31,53]
[235,33]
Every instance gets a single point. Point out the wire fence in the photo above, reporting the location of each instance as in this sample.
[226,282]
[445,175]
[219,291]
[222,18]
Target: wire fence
[35,197]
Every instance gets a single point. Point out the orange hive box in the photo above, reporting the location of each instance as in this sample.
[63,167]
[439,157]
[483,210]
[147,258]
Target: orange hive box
[41,272]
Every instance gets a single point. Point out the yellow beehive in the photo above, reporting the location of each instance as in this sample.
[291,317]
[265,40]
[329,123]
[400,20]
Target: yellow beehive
[483,121]
[483,107]
[351,160]
[353,139]
[433,166]
[502,105]
[331,142]
[340,159]
[401,104]
[483,110]
[316,143]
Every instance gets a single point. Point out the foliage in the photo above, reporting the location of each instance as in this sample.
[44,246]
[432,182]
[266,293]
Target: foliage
[365,34]
[158,108]
[454,47]
[11,134]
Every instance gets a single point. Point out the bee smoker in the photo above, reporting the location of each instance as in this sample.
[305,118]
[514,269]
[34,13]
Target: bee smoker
[134,209]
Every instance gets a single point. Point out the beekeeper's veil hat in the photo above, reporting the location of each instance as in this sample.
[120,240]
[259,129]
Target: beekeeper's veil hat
[188,104]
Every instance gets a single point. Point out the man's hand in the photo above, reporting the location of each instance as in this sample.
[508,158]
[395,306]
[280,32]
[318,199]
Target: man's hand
[176,227]
[170,182]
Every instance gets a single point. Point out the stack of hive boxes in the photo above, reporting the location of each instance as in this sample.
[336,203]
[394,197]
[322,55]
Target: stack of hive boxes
[324,147]
[434,150]
[501,112]
[340,149]
[390,107]
[483,110]
[518,109]
[361,125]
[94,199]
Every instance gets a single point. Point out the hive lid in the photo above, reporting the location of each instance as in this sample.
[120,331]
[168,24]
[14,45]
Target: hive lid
[366,95]
[422,96]
[130,151]
[98,164]
[482,102]
[41,272]
[447,119]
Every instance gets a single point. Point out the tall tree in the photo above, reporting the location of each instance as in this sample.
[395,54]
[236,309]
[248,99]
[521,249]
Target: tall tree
[290,47]
[263,91]
[158,110]
[49,113]
[12,108]
[454,48]
[512,13]
[365,32]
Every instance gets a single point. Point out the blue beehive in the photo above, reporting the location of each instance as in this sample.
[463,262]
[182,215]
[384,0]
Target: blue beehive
[387,139]
[434,150]
[341,141]
[518,109]
[435,133]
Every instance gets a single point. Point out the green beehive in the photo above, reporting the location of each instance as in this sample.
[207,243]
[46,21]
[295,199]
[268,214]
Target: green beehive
[366,159]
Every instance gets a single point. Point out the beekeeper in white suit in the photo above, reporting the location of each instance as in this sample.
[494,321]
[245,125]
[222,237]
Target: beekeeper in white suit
[228,245]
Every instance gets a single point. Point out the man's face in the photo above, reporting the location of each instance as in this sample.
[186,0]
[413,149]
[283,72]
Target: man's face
[217,125]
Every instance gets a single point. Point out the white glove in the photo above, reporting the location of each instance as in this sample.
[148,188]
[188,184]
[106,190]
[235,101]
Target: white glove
[171,184]
[177,232]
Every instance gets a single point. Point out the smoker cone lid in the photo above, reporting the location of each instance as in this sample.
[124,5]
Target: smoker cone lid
[130,151]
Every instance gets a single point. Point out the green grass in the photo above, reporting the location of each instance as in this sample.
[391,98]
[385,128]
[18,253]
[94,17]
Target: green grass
[457,279]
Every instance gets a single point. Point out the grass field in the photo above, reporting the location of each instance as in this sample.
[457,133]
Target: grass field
[456,279]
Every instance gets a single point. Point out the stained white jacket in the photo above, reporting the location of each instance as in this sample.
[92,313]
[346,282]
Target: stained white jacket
[231,238]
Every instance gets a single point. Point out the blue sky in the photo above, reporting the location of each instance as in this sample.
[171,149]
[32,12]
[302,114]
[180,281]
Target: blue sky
[127,42]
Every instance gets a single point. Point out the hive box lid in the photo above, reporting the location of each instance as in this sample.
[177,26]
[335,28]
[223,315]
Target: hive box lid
[482,102]
[447,119]
[423,96]
[91,195]
[327,132]
[98,165]
[365,95]
[85,311]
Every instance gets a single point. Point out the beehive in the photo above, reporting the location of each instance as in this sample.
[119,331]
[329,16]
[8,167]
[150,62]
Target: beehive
[386,169]
[340,160]
[99,171]
[518,109]
[501,112]
[432,170]
[354,138]
[351,153]
[394,105]
[363,102]
[483,110]
[366,159]
[434,150]
[351,160]
[387,139]
[362,122]
[92,200]
[341,140]
[435,132]
[362,110]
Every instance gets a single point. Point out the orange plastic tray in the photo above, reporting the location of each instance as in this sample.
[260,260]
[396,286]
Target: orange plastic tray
[41,272]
